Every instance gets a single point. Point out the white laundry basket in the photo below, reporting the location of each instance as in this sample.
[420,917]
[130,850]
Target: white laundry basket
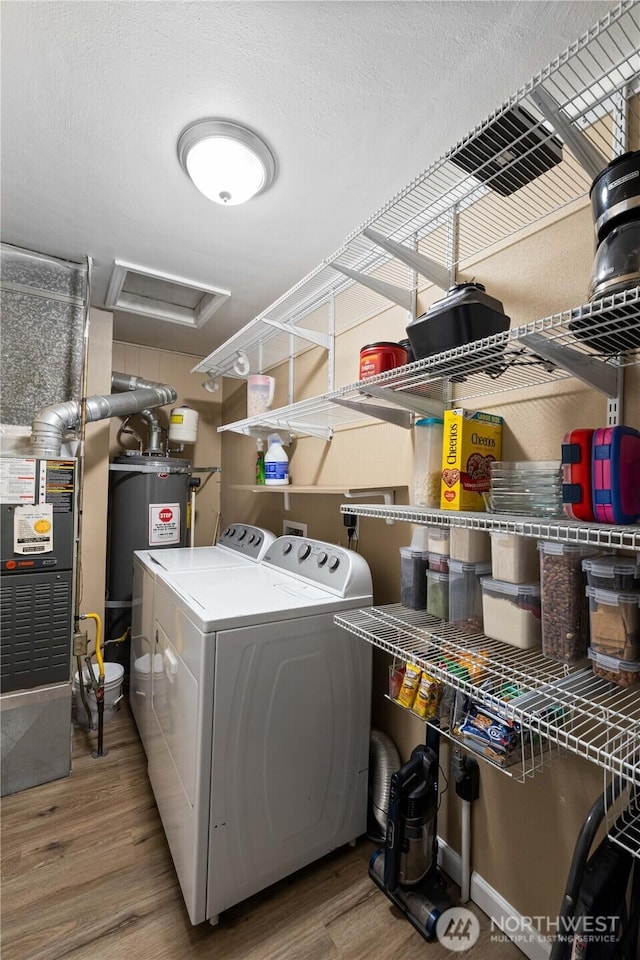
[113,680]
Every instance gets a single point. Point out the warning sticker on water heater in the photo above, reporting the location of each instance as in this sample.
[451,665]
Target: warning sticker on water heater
[33,529]
[164,523]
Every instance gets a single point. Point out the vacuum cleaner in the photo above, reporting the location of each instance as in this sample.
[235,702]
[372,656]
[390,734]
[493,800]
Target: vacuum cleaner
[406,869]
[595,920]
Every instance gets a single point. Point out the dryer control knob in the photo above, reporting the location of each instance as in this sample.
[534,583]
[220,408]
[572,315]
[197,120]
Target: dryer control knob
[258,540]
[334,563]
[287,548]
[304,551]
[322,558]
[252,538]
[231,531]
[242,535]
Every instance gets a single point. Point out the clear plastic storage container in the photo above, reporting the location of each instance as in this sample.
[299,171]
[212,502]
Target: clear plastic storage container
[439,562]
[612,573]
[511,612]
[413,578]
[614,620]
[565,621]
[438,540]
[623,672]
[427,464]
[438,594]
[470,546]
[465,593]
[514,559]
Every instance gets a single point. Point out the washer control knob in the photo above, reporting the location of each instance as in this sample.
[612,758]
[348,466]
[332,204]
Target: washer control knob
[334,563]
[322,558]
[287,547]
[242,535]
[303,551]
[252,537]
[258,540]
[230,532]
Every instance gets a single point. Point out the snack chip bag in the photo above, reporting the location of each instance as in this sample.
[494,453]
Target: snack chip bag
[428,697]
[409,687]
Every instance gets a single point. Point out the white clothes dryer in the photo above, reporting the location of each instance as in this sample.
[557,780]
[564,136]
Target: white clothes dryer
[258,755]
[240,544]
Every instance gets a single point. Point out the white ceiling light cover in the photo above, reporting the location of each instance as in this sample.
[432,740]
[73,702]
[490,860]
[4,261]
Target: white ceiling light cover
[227,162]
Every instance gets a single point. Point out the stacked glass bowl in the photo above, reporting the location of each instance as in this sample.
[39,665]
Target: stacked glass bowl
[526,488]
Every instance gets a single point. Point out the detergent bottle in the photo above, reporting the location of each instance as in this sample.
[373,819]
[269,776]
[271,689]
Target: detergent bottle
[276,463]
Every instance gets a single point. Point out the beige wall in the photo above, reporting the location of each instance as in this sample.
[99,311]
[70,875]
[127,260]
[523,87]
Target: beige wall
[536,823]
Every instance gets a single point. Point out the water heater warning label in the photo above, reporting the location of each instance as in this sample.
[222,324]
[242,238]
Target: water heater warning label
[164,523]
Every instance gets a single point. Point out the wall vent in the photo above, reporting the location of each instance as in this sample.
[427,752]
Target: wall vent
[161,296]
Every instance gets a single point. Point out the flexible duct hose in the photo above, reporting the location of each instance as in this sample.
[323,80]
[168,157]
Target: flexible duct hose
[384,760]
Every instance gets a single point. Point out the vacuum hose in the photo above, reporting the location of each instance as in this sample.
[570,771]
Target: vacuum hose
[384,760]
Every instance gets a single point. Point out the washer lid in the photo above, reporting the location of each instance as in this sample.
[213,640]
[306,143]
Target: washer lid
[229,598]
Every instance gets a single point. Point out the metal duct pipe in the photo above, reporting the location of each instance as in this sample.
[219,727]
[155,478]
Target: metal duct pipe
[51,423]
[123,382]
[154,433]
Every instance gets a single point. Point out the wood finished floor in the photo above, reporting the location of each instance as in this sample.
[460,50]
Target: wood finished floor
[87,874]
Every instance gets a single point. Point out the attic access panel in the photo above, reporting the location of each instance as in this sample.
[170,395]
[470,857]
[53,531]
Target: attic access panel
[509,153]
[162,296]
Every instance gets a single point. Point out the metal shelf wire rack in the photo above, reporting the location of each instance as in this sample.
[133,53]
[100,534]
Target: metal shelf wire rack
[507,361]
[622,816]
[515,170]
[559,530]
[571,708]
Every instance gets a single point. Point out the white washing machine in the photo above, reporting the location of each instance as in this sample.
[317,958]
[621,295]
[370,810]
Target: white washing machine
[241,544]
[258,756]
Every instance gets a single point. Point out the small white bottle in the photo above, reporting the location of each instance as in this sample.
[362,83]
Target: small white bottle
[276,463]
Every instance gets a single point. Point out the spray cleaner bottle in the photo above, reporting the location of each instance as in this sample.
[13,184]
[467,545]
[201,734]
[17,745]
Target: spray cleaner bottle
[276,463]
[260,462]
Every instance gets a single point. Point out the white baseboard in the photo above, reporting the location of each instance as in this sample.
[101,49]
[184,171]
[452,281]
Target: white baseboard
[492,903]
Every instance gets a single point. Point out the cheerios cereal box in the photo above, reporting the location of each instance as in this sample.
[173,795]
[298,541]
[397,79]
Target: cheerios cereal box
[472,440]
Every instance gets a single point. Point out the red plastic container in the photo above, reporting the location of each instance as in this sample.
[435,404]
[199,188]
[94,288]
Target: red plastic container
[616,475]
[377,357]
[576,475]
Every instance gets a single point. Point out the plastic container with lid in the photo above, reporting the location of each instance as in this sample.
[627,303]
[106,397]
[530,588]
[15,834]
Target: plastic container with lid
[427,463]
[438,594]
[511,612]
[260,391]
[623,672]
[612,573]
[614,620]
[514,559]
[470,546]
[565,625]
[378,357]
[438,540]
[439,562]
[413,578]
[465,593]
[464,314]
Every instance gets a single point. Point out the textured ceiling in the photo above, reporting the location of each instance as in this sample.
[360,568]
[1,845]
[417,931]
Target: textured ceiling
[354,98]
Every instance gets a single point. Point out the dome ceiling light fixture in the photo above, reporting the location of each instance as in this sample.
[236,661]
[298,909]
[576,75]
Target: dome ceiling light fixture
[227,162]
